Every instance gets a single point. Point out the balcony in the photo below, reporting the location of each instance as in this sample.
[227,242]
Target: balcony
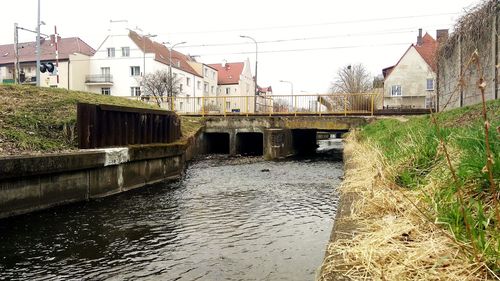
[99,79]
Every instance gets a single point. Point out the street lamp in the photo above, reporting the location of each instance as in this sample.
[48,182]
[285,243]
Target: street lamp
[149,35]
[170,66]
[38,24]
[291,84]
[256,54]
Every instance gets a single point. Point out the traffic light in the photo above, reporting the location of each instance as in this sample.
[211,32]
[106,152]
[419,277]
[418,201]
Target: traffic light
[48,67]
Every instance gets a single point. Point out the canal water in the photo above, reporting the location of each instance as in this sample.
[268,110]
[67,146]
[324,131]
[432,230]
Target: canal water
[239,218]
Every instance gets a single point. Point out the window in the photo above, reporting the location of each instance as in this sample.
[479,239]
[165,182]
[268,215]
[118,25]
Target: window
[396,90]
[213,90]
[125,52]
[199,101]
[105,71]
[205,87]
[181,105]
[228,91]
[135,91]
[198,85]
[180,88]
[135,71]
[228,105]
[188,81]
[430,84]
[111,52]
[106,91]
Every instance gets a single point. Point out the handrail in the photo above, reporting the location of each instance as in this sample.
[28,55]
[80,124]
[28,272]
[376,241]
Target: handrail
[226,105]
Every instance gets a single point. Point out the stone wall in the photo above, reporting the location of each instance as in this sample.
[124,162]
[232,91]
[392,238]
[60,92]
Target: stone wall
[458,74]
[30,183]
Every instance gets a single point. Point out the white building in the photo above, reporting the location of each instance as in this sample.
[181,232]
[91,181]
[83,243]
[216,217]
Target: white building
[411,82]
[73,60]
[118,66]
[236,91]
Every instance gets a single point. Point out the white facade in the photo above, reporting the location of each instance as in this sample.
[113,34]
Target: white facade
[122,74]
[411,83]
[241,96]
[112,74]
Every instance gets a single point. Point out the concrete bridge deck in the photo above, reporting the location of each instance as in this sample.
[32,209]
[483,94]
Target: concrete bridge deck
[275,136]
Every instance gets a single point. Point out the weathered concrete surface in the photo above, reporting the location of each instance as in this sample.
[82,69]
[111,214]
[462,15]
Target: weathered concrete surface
[258,123]
[278,143]
[33,183]
[278,140]
[455,91]
[23,166]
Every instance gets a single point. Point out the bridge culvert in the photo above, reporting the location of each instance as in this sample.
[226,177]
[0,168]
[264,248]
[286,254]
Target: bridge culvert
[217,143]
[250,143]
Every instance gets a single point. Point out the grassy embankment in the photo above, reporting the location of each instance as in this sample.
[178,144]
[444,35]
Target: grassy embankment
[38,120]
[421,216]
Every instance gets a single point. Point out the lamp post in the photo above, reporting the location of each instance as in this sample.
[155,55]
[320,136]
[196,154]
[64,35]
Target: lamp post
[38,24]
[170,66]
[290,82]
[256,62]
[149,35]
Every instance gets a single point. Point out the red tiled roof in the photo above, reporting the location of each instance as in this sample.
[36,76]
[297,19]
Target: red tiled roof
[230,73]
[162,53]
[66,47]
[265,89]
[386,71]
[428,50]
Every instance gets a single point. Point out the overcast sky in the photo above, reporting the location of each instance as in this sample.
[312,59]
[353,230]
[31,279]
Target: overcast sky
[310,39]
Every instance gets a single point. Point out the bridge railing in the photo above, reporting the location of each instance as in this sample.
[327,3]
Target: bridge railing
[334,104]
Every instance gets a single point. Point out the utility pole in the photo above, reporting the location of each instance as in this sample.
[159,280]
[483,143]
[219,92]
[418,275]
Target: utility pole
[38,47]
[56,42]
[256,68]
[149,35]
[16,52]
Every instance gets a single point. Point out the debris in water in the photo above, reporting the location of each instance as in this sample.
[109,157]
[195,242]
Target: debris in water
[265,170]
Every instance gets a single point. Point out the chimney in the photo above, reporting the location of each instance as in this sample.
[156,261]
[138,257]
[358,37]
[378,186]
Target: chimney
[224,63]
[52,38]
[442,35]
[419,38]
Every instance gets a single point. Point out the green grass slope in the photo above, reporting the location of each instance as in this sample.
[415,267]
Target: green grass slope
[465,204]
[38,120]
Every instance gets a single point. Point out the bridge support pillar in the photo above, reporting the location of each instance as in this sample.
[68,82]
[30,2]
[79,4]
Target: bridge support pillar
[277,143]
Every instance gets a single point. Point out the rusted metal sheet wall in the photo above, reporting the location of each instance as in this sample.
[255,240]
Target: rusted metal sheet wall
[108,126]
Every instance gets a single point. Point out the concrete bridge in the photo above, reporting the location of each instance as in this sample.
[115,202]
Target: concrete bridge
[274,137]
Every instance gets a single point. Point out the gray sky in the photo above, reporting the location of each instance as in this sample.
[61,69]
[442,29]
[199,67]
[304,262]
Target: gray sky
[311,39]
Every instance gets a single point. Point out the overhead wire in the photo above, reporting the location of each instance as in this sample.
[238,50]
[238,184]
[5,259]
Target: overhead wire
[314,24]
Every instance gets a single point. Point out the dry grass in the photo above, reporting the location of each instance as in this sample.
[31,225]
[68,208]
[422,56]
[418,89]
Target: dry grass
[394,240]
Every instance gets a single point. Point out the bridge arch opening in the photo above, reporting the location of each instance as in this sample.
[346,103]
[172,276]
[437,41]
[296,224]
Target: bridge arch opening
[217,143]
[304,141]
[251,143]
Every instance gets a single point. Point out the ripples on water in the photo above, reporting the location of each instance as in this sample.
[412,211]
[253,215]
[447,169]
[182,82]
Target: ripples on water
[228,219]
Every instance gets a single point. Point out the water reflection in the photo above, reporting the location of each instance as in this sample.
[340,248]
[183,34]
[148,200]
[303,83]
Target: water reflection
[228,219]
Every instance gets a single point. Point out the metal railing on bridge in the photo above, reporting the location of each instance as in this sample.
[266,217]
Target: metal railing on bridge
[333,104]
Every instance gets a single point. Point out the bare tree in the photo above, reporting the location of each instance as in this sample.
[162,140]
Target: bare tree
[160,85]
[352,79]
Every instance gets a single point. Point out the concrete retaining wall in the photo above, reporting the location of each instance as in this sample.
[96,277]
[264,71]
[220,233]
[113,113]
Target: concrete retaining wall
[481,36]
[30,183]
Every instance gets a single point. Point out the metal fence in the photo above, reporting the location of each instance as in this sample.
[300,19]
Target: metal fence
[334,104]
[108,125]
